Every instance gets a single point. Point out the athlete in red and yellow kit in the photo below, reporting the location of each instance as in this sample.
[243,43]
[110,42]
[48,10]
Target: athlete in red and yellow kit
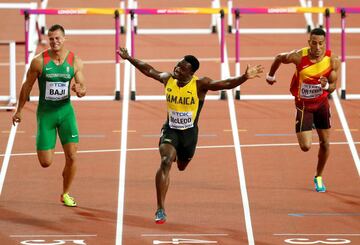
[55,69]
[185,95]
[314,79]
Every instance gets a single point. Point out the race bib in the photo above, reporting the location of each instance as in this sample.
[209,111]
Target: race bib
[56,91]
[310,91]
[180,120]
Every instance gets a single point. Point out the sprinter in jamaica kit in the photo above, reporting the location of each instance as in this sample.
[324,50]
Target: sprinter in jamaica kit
[185,95]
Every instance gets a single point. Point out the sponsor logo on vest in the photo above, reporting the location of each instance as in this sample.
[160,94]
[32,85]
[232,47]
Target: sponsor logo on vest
[180,100]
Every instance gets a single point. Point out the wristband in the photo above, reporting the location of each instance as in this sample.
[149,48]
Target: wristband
[270,78]
[326,87]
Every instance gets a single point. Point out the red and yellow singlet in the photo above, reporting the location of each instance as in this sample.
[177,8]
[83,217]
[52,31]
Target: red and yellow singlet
[305,85]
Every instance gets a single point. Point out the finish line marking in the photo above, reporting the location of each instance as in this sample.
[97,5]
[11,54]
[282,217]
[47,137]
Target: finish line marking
[314,234]
[60,235]
[323,214]
[190,234]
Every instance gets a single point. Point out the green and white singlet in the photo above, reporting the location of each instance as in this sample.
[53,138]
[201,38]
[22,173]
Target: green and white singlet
[55,112]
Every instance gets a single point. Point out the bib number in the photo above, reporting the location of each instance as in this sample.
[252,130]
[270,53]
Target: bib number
[180,120]
[56,91]
[310,91]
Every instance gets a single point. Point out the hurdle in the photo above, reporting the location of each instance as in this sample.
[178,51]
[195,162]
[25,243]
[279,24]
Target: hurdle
[11,97]
[308,18]
[129,71]
[83,11]
[343,12]
[215,4]
[12,71]
[291,10]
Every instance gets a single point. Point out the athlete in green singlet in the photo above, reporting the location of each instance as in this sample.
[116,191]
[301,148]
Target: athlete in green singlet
[54,69]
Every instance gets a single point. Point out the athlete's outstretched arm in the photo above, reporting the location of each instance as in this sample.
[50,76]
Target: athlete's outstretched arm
[214,85]
[282,58]
[79,79]
[32,74]
[144,67]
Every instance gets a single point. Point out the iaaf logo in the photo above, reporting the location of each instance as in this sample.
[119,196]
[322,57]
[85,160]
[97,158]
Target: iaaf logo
[282,10]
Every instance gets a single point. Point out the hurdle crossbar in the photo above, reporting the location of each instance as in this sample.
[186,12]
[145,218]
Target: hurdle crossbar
[215,4]
[287,10]
[174,11]
[343,12]
[82,11]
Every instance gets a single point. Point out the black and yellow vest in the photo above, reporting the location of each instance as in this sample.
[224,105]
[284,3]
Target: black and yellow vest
[183,104]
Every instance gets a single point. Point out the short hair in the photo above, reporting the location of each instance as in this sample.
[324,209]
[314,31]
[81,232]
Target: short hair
[194,62]
[57,27]
[318,32]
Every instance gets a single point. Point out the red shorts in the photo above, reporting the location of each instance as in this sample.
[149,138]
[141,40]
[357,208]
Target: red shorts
[314,116]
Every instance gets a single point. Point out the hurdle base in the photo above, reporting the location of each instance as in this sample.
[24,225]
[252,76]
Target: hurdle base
[117,95]
[213,29]
[308,28]
[237,95]
[223,95]
[133,95]
[343,94]
[122,29]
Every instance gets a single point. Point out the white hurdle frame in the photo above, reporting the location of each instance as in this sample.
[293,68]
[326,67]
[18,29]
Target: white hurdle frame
[12,73]
[342,90]
[308,18]
[114,31]
[215,4]
[11,98]
[129,70]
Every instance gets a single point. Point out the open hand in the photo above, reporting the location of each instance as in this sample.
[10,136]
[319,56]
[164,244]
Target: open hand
[253,71]
[123,52]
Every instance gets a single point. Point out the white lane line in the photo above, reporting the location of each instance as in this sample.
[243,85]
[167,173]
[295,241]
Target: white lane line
[123,144]
[237,145]
[179,234]
[314,234]
[7,155]
[347,132]
[60,235]
[198,147]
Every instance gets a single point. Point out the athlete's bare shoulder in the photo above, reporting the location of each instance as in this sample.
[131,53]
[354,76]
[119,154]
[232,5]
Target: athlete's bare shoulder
[37,62]
[335,62]
[164,77]
[294,56]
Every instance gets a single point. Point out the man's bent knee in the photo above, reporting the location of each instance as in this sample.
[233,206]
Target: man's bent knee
[166,162]
[45,163]
[182,165]
[45,158]
[305,147]
[325,145]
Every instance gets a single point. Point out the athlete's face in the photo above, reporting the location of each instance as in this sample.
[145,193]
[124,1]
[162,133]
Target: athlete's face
[56,40]
[183,71]
[317,45]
